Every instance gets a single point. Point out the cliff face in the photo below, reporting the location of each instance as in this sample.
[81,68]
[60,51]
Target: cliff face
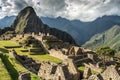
[27,21]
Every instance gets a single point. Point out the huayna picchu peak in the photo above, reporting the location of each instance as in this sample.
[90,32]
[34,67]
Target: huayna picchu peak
[27,22]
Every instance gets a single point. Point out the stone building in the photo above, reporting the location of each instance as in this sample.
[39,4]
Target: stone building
[78,51]
[75,50]
[87,72]
[90,54]
[95,77]
[61,71]
[111,73]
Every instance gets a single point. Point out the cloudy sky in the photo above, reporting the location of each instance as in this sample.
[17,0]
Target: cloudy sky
[84,10]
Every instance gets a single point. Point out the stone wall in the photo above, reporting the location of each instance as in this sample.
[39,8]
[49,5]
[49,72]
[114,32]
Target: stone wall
[111,73]
[27,62]
[93,67]
[58,54]
[24,76]
[61,71]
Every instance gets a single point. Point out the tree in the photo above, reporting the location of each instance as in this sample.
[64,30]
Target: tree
[106,51]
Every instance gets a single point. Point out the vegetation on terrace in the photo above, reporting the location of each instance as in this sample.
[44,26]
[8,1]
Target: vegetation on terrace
[14,66]
[4,75]
[38,55]
[10,68]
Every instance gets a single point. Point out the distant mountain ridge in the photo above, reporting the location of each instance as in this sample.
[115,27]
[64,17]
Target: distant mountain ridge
[82,31]
[110,38]
[6,21]
[27,22]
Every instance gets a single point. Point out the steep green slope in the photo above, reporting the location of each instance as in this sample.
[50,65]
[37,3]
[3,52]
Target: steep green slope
[109,38]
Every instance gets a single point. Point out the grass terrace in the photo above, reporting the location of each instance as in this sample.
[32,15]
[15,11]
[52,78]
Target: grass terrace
[5,43]
[13,66]
[41,56]
[4,75]
[19,67]
[8,43]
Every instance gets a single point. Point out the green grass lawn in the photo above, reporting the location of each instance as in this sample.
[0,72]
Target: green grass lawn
[4,75]
[8,43]
[38,56]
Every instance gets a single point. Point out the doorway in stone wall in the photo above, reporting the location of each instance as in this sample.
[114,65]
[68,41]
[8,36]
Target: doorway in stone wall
[59,78]
[110,79]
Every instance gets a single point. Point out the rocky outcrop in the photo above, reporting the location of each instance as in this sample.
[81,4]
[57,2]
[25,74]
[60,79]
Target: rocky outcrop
[27,21]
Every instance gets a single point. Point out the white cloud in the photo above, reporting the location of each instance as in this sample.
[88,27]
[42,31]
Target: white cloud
[84,10]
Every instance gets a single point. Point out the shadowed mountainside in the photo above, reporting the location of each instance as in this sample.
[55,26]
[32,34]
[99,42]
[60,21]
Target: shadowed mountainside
[110,38]
[82,31]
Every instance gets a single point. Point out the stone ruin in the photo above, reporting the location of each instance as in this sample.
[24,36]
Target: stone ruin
[78,54]
[94,77]
[65,50]
[61,71]
[93,67]
[87,72]
[48,70]
[75,50]
[67,70]
[24,76]
[110,73]
[27,62]
[7,36]
[79,51]
[81,55]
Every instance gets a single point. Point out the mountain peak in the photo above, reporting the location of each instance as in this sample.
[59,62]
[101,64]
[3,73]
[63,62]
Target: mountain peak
[27,22]
[29,8]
